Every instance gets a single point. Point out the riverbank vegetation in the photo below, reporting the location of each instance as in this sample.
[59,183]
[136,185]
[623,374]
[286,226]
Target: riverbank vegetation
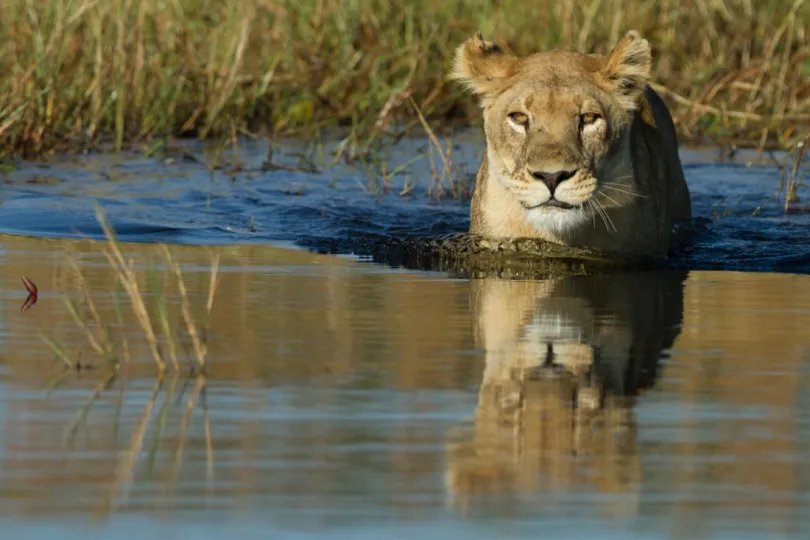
[76,72]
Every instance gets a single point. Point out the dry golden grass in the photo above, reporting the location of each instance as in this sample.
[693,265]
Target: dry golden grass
[152,322]
[149,306]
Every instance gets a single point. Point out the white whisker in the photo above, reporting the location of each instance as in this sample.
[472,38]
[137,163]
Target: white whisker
[605,195]
[620,184]
[605,215]
[624,191]
[595,205]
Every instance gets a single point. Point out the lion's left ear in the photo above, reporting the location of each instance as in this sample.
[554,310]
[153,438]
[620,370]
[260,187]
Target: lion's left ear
[483,67]
[627,70]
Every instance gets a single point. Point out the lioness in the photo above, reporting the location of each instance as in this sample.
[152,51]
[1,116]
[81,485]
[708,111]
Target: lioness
[580,150]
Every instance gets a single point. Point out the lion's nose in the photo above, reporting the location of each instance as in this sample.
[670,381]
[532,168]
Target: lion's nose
[553,179]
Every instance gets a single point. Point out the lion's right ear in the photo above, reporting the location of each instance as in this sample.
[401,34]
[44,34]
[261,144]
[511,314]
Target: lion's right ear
[628,69]
[483,66]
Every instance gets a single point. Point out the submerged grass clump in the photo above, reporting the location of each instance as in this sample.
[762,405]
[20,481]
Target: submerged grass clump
[112,341]
[75,71]
[149,308]
[792,175]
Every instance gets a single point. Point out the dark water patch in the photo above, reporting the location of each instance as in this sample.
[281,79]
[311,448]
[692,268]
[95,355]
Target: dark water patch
[350,209]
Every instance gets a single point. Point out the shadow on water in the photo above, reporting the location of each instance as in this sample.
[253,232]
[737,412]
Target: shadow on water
[564,362]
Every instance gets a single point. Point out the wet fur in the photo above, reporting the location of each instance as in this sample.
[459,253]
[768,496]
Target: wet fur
[629,189]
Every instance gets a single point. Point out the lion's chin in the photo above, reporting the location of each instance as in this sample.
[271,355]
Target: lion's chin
[559,219]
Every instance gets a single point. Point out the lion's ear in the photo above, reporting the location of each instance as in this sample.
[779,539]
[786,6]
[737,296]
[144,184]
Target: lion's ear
[627,70]
[483,66]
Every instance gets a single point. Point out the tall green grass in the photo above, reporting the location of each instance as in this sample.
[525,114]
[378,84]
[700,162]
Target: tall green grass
[75,71]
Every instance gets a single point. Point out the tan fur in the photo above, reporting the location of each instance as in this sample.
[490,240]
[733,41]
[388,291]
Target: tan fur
[626,187]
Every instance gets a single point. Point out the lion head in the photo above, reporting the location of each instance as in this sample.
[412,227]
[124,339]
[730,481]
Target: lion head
[556,125]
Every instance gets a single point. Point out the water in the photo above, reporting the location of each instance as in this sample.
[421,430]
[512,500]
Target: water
[360,400]
[173,197]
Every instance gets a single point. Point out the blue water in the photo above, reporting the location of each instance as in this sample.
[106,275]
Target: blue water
[347,399]
[738,211]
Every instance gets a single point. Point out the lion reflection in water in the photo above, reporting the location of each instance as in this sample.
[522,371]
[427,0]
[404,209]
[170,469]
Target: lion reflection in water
[565,360]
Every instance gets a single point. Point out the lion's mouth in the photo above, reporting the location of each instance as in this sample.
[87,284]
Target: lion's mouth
[554,203]
[559,204]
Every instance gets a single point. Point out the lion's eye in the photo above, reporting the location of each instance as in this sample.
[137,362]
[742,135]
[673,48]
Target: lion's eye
[520,118]
[588,118]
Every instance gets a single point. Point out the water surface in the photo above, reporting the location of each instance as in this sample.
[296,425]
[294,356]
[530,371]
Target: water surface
[310,201]
[358,400]
[362,401]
